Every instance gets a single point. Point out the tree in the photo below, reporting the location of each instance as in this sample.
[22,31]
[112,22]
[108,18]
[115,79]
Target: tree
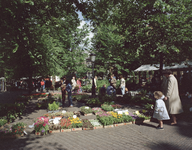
[154,31]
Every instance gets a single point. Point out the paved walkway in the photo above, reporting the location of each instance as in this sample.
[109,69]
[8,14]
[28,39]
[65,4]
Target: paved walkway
[128,137]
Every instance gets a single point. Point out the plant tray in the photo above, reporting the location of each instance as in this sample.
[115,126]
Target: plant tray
[54,131]
[146,120]
[76,129]
[38,133]
[89,114]
[119,124]
[52,111]
[108,126]
[87,128]
[98,127]
[65,130]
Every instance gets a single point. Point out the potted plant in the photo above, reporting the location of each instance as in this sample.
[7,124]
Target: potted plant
[68,114]
[76,124]
[18,129]
[85,110]
[87,124]
[65,125]
[107,107]
[96,124]
[53,107]
[54,128]
[106,119]
[96,110]
[41,125]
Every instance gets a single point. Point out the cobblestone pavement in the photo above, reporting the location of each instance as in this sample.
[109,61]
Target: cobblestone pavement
[129,137]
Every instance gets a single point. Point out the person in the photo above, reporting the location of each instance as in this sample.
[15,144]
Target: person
[110,90]
[42,85]
[103,90]
[68,89]
[126,91]
[73,83]
[122,85]
[172,99]
[160,112]
[113,82]
[63,91]
[79,85]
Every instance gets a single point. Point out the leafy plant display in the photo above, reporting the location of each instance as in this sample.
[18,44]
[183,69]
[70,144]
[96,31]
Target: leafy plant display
[95,123]
[93,101]
[140,115]
[105,120]
[115,106]
[12,111]
[87,124]
[117,117]
[53,106]
[97,109]
[76,122]
[41,124]
[18,128]
[3,122]
[107,107]
[127,118]
[86,110]
[68,114]
[65,123]
[15,129]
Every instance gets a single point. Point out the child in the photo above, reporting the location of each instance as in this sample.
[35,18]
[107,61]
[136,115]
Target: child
[160,112]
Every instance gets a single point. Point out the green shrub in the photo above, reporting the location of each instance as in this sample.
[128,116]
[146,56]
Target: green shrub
[3,122]
[54,106]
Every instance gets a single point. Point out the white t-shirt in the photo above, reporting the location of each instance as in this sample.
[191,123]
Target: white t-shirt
[122,82]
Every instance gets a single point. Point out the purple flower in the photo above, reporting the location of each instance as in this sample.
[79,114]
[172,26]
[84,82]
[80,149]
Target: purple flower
[43,130]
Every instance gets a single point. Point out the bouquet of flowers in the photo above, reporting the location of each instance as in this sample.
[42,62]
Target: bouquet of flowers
[41,124]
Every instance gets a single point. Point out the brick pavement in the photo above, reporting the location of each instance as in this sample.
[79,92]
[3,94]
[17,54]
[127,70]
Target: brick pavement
[131,137]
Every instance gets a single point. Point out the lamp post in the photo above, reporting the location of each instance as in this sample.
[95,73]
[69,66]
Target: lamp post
[92,56]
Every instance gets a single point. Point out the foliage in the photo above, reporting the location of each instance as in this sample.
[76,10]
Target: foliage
[12,111]
[105,120]
[18,128]
[106,107]
[93,102]
[117,117]
[86,110]
[87,124]
[115,106]
[3,121]
[68,114]
[97,109]
[53,106]
[76,123]
[65,123]
[142,116]
[95,122]
[41,124]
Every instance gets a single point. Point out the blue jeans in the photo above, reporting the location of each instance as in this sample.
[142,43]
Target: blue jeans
[123,90]
[70,99]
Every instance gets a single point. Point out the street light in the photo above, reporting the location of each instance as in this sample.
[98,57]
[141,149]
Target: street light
[92,56]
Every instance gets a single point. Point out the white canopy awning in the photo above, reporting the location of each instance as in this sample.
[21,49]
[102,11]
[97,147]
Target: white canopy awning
[149,67]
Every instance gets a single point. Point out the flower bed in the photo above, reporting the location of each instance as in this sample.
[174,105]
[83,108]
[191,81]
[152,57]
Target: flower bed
[17,130]
[96,110]
[96,124]
[76,122]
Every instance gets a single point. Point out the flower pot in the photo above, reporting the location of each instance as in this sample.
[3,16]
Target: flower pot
[65,130]
[108,126]
[37,133]
[76,129]
[98,127]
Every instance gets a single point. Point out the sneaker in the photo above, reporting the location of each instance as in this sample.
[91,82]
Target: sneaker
[160,128]
[71,106]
